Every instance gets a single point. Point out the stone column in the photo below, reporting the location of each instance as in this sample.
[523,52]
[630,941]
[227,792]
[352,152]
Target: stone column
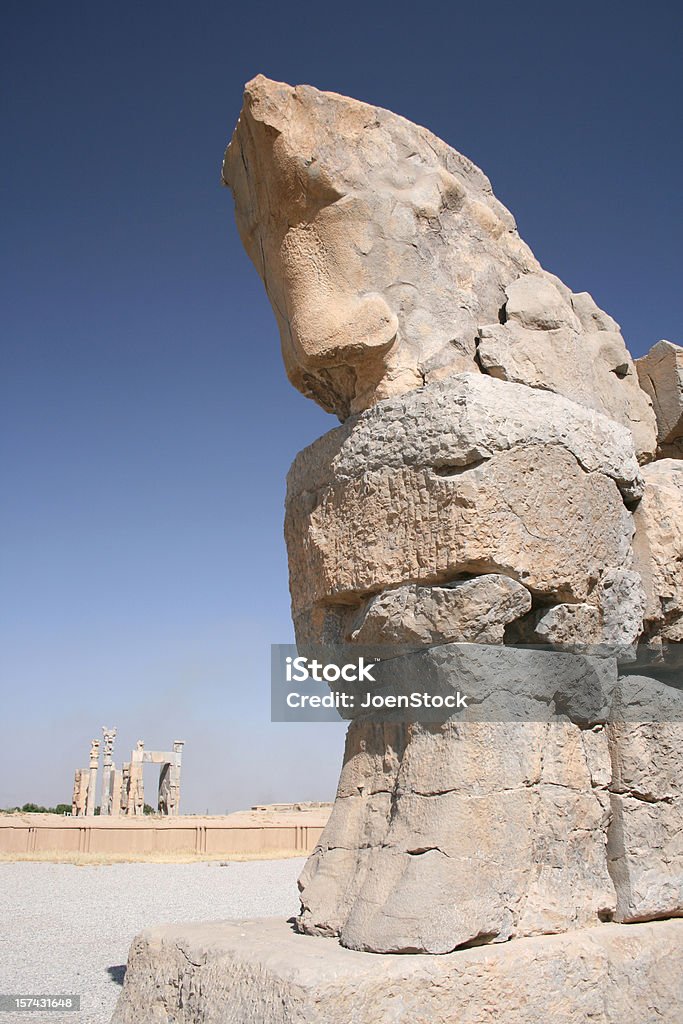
[136,800]
[106,804]
[175,776]
[92,779]
[117,780]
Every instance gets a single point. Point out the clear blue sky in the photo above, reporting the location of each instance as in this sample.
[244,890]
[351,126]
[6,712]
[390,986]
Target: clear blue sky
[148,425]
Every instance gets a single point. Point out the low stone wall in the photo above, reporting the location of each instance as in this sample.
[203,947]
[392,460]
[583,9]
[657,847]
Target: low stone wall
[246,833]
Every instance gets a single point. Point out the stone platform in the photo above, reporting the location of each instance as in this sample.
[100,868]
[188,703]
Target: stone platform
[262,972]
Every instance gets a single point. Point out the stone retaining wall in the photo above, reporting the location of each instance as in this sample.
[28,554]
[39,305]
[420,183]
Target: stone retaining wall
[244,833]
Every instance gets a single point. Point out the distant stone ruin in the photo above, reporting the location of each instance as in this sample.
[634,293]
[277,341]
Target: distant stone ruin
[122,791]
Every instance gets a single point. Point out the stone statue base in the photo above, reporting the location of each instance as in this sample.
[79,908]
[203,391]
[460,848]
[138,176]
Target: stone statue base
[262,972]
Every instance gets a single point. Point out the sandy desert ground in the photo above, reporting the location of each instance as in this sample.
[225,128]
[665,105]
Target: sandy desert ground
[66,929]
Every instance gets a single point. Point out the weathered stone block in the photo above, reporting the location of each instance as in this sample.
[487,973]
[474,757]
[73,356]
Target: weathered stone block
[645,837]
[546,342]
[475,610]
[661,376]
[260,972]
[658,547]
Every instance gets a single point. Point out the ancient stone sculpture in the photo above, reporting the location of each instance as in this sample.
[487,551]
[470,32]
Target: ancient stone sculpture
[488,516]
[390,264]
[484,486]
[123,791]
[130,784]
[125,802]
[80,793]
[169,780]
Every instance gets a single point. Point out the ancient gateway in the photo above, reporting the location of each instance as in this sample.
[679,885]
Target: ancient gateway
[122,791]
[501,510]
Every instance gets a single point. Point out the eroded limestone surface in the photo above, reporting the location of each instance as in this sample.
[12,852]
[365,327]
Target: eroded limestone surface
[387,258]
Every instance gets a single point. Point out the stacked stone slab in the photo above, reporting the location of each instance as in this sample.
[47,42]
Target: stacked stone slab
[468,477]
[493,483]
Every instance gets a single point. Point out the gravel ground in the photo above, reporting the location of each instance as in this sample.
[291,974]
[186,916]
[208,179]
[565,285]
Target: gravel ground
[67,929]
